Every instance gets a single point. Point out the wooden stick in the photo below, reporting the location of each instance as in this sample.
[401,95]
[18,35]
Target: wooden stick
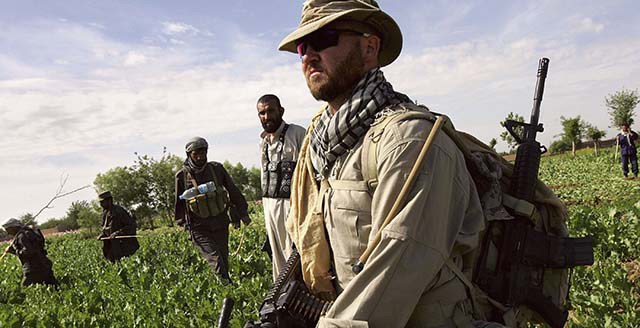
[121,237]
[358,266]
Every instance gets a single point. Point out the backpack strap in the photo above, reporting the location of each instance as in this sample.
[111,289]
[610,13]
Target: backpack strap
[370,143]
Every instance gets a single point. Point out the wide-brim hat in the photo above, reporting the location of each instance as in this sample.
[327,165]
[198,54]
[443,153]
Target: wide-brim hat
[318,13]
[105,195]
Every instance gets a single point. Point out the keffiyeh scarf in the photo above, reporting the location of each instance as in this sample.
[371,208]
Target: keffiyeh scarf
[335,134]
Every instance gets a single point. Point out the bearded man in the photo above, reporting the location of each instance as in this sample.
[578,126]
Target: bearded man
[203,209]
[409,279]
[279,148]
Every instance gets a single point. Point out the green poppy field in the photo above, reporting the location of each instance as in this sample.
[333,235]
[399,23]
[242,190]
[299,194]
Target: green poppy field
[167,284]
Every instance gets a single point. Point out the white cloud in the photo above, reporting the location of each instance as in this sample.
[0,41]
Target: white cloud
[126,97]
[585,24]
[174,28]
[134,58]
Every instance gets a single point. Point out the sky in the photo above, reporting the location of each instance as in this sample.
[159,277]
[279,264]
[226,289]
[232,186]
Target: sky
[86,84]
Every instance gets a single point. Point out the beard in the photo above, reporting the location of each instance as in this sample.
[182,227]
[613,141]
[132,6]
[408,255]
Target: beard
[346,75]
[271,126]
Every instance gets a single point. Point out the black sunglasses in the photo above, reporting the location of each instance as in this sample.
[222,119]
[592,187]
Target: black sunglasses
[322,39]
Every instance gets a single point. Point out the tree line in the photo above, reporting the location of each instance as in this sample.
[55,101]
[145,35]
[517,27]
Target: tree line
[147,189]
[620,106]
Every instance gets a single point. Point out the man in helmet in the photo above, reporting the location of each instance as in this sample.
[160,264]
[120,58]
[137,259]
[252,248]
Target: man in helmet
[118,230]
[279,151]
[203,210]
[28,245]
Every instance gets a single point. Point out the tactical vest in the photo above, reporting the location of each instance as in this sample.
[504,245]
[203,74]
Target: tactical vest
[209,204]
[277,175]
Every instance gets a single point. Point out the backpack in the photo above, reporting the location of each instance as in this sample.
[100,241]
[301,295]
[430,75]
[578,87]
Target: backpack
[533,284]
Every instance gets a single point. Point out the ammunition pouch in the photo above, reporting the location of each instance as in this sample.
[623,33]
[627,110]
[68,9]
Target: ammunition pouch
[277,175]
[210,204]
[276,179]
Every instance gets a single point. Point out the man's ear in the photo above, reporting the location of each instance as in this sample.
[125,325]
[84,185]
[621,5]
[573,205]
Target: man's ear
[371,49]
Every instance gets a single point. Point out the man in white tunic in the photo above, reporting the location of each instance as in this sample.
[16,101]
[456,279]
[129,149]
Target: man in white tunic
[279,149]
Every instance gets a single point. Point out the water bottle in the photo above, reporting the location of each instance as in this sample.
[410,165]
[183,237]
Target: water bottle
[189,193]
[207,187]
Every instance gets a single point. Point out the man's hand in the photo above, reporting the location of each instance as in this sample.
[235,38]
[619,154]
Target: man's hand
[246,220]
[10,250]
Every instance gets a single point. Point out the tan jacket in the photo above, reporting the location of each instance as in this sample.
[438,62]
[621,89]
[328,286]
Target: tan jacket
[405,282]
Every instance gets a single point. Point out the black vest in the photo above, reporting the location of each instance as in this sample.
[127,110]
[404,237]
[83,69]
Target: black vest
[277,174]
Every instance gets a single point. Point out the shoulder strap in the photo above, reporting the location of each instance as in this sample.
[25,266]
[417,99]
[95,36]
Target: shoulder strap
[188,177]
[215,176]
[370,143]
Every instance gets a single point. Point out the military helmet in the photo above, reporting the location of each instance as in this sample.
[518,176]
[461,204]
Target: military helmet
[196,143]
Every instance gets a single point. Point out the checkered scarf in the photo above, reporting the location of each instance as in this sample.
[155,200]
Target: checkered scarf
[334,134]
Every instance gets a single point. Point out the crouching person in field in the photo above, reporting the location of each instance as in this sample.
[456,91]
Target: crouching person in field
[28,245]
[118,230]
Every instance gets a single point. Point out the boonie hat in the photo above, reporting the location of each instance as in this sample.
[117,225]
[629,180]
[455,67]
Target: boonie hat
[318,13]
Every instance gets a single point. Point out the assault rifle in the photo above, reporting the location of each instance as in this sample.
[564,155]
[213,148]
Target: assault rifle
[289,304]
[525,253]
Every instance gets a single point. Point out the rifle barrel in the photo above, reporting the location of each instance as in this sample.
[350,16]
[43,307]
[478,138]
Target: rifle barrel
[543,67]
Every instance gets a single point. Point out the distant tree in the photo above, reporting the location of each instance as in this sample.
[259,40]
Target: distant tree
[572,131]
[493,143]
[28,219]
[506,136]
[159,179]
[89,216]
[559,146]
[146,188]
[247,179]
[594,134]
[51,223]
[621,106]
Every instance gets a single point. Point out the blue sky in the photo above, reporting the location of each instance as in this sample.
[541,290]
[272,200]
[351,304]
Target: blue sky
[85,84]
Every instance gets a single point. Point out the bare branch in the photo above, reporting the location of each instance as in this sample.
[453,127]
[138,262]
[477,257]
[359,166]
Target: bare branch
[60,193]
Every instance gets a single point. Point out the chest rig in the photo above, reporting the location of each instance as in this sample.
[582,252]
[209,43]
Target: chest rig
[211,203]
[277,174]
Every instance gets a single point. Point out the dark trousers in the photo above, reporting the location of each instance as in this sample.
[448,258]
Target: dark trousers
[634,164]
[212,241]
[44,276]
